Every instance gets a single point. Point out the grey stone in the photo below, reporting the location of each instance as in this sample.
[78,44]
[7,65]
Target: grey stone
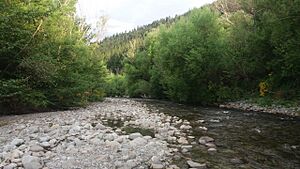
[17,142]
[30,162]
[44,139]
[16,154]
[138,142]
[135,135]
[10,166]
[45,145]
[157,166]
[182,140]
[36,148]
[205,139]
[193,164]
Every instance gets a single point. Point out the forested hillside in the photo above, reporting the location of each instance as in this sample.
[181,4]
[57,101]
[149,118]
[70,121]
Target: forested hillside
[228,50]
[46,59]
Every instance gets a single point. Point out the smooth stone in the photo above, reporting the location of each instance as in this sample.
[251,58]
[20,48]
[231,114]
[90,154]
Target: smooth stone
[16,154]
[156,160]
[45,145]
[36,148]
[30,162]
[44,139]
[212,150]
[185,127]
[188,147]
[184,150]
[17,142]
[10,166]
[210,145]
[203,128]
[205,139]
[193,164]
[157,166]
[138,142]
[135,135]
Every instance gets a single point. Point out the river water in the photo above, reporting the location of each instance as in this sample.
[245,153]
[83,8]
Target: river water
[243,139]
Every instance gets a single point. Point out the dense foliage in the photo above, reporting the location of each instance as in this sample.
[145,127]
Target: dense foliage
[228,50]
[46,59]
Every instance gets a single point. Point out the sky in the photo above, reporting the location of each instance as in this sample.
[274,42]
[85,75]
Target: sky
[125,15]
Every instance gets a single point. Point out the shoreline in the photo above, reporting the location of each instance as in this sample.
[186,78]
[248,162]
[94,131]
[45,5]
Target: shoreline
[247,106]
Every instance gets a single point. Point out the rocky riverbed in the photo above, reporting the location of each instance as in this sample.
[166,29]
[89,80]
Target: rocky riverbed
[117,133]
[126,133]
[274,109]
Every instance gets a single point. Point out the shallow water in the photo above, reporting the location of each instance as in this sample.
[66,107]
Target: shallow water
[258,140]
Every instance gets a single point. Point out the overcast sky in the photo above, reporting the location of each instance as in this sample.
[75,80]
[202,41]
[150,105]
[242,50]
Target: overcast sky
[127,14]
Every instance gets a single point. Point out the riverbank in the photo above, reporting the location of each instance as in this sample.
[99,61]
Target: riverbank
[116,133]
[249,106]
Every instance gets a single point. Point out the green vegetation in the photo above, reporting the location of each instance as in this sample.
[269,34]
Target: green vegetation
[228,50]
[46,59]
[225,51]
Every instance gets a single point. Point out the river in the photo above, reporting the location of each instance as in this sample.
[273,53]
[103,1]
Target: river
[243,139]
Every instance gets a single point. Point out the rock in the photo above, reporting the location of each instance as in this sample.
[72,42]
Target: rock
[17,142]
[114,145]
[135,135]
[100,127]
[203,128]
[110,137]
[45,145]
[75,130]
[212,150]
[205,139]
[36,148]
[210,145]
[193,164]
[30,162]
[184,150]
[185,127]
[140,141]
[155,160]
[10,166]
[215,120]
[16,154]
[182,140]
[157,166]
[188,147]
[44,139]
[173,167]
[200,121]
[33,129]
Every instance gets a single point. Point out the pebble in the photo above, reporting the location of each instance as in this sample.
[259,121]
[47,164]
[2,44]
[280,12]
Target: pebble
[193,164]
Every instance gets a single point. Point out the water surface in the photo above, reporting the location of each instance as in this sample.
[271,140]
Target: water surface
[258,140]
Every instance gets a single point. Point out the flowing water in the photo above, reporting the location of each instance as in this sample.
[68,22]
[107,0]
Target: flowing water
[243,139]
